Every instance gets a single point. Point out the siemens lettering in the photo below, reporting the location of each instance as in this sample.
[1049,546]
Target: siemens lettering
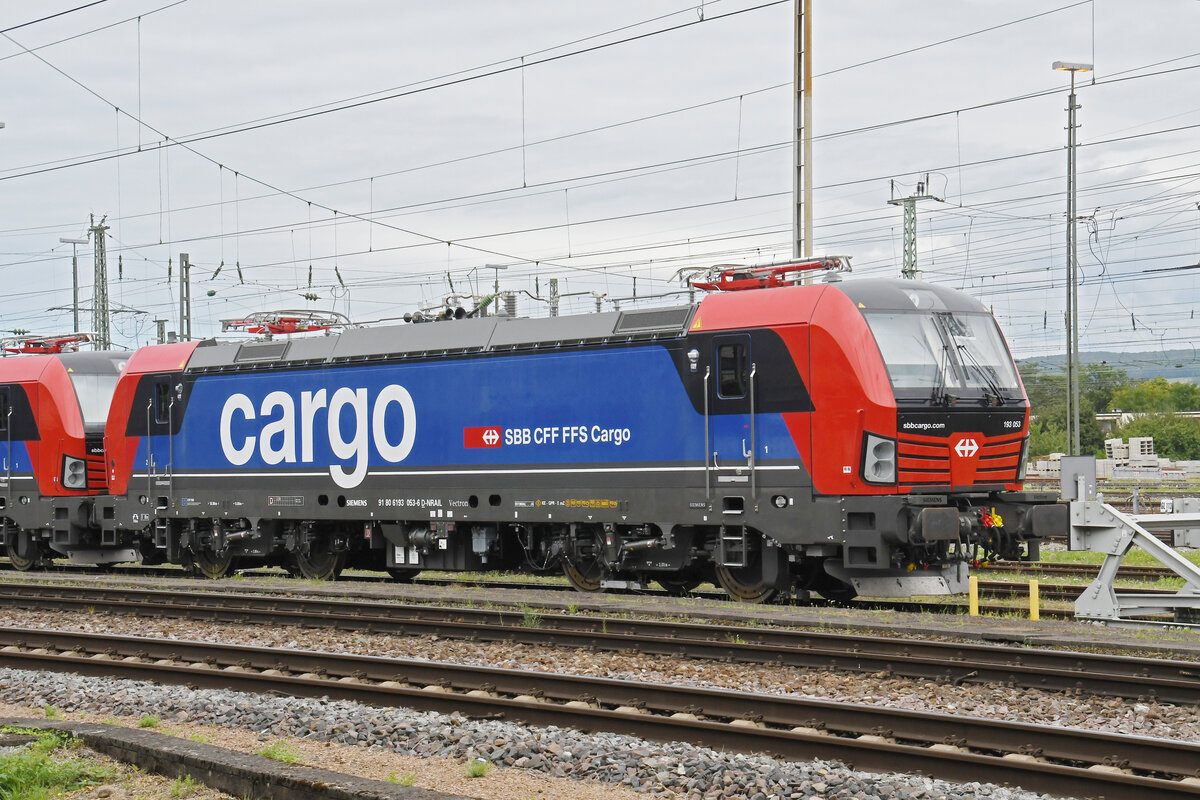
[276,440]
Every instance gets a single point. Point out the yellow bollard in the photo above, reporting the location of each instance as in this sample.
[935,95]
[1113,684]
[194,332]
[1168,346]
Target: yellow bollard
[1033,601]
[973,602]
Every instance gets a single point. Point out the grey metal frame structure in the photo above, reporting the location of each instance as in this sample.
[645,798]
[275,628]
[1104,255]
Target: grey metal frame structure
[1099,528]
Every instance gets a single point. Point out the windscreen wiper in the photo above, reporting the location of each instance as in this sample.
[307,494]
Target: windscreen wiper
[940,396]
[993,387]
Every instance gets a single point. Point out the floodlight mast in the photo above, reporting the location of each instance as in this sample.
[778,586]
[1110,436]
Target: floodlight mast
[1074,444]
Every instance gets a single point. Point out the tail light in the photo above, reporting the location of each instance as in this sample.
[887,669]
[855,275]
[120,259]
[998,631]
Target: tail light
[74,475]
[879,459]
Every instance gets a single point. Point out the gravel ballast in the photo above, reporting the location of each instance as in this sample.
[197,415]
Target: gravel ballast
[990,701]
[666,770]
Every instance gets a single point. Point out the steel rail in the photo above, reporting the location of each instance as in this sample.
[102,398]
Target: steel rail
[1004,590]
[1087,571]
[960,662]
[1041,758]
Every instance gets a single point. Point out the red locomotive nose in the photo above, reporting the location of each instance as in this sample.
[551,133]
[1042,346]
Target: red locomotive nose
[964,458]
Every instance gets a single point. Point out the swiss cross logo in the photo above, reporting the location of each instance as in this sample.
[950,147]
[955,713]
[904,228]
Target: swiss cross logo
[965,461]
[967,448]
[486,436]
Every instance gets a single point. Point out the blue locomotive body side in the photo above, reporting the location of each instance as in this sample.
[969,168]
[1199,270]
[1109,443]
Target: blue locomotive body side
[15,460]
[590,407]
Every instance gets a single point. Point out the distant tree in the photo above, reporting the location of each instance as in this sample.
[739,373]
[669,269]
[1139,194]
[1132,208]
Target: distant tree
[1185,396]
[1046,440]
[1100,382]
[1152,396]
[1158,395]
[1048,406]
[1176,438]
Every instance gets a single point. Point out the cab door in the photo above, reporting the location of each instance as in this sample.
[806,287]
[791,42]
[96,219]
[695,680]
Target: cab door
[731,400]
[160,412]
[6,413]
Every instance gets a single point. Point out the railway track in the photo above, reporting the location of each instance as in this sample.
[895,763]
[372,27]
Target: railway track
[994,588]
[1054,670]
[1085,571]
[1041,758]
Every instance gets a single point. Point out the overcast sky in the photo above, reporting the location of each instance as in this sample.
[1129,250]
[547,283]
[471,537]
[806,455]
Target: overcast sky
[594,143]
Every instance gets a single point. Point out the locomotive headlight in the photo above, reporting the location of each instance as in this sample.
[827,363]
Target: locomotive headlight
[74,474]
[879,459]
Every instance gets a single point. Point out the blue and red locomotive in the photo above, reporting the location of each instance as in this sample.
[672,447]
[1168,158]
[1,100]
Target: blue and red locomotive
[862,436]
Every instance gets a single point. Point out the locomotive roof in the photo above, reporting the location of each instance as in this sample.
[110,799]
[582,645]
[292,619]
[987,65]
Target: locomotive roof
[94,362]
[501,334]
[489,334]
[894,294]
[32,367]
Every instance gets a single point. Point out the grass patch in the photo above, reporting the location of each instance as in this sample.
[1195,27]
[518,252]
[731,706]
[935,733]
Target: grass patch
[530,618]
[185,786]
[478,768]
[1135,558]
[402,778]
[51,712]
[44,770]
[148,721]
[281,751]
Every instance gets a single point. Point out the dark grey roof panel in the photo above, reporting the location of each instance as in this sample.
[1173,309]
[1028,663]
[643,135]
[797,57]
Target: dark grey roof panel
[424,337]
[261,352]
[310,348]
[655,320]
[217,355]
[550,330]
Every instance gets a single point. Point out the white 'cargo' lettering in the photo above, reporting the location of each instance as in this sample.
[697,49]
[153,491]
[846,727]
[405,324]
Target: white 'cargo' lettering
[276,439]
[239,455]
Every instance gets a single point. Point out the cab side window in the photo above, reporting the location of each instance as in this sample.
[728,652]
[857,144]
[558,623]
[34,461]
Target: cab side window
[731,370]
[162,401]
[4,409]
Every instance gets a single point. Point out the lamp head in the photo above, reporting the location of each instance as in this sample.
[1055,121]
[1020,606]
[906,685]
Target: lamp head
[1071,66]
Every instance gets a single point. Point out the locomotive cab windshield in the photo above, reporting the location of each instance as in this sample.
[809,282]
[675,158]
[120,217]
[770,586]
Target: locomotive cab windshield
[94,377]
[939,357]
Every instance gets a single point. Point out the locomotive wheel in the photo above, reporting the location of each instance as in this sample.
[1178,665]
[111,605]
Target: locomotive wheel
[586,577]
[210,565]
[321,566]
[403,575]
[23,552]
[678,587]
[745,584]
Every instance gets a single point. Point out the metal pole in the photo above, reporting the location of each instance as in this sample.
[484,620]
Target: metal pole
[802,142]
[1072,284]
[185,298]
[808,181]
[1072,310]
[74,277]
[100,289]
[75,286]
